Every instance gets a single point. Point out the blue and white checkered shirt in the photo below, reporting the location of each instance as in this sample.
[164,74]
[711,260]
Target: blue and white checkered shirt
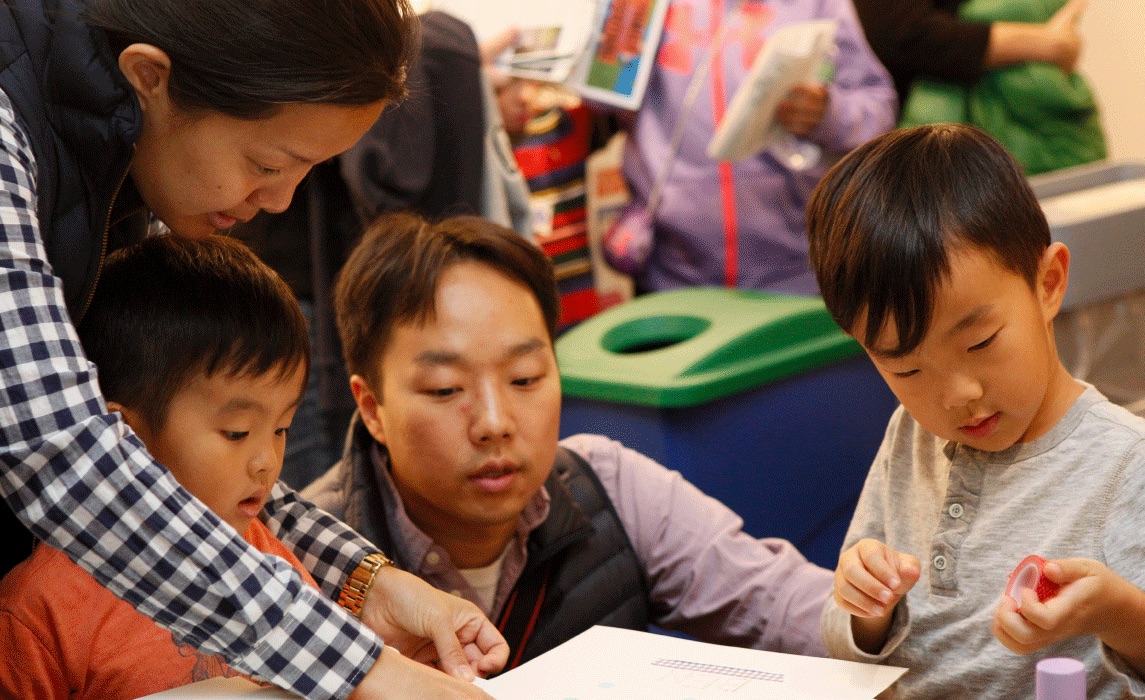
[85,484]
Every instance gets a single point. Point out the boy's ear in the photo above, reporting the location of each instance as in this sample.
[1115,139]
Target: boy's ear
[1053,278]
[130,416]
[368,407]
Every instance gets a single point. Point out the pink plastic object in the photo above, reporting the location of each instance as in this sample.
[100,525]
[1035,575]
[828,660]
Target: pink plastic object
[1060,679]
[1029,574]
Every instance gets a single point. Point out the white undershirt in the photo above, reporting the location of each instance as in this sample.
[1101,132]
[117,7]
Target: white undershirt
[485,579]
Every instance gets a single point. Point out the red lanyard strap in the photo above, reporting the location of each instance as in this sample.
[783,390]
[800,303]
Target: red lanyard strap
[519,619]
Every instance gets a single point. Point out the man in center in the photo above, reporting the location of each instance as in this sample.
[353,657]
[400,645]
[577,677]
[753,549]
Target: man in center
[452,465]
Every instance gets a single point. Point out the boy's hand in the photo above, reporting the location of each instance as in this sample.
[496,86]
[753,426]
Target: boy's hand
[1082,606]
[802,109]
[872,578]
[869,582]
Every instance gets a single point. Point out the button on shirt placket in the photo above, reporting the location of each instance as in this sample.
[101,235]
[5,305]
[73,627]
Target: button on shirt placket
[438,570]
[963,490]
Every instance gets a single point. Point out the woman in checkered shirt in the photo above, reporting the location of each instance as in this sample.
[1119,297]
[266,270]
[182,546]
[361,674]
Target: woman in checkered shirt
[117,116]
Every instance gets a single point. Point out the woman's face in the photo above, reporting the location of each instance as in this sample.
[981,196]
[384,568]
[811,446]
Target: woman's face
[205,172]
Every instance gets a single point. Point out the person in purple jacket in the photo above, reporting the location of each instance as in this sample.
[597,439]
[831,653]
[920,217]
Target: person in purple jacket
[742,224]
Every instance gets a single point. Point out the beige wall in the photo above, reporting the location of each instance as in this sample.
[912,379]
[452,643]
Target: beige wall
[1114,62]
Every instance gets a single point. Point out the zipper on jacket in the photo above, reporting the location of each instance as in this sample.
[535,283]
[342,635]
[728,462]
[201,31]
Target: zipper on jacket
[106,236]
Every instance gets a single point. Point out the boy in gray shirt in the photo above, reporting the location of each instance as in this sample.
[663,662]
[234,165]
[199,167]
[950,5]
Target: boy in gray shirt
[932,251]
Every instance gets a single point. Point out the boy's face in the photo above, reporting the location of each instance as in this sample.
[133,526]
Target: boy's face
[224,438]
[469,409]
[987,372]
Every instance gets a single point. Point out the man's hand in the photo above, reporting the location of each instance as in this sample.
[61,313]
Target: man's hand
[394,677]
[801,110]
[869,582]
[433,627]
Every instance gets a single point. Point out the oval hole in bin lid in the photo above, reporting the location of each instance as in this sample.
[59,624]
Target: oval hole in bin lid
[652,333]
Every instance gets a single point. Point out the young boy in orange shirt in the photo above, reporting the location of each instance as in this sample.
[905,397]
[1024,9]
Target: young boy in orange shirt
[204,351]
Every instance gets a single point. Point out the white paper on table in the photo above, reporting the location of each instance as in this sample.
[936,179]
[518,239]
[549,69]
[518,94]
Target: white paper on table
[605,663]
[223,689]
[791,56]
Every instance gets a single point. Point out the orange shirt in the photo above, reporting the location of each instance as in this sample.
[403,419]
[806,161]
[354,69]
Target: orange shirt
[63,635]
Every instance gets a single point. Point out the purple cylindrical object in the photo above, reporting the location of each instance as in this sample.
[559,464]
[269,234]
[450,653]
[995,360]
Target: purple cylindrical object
[1060,679]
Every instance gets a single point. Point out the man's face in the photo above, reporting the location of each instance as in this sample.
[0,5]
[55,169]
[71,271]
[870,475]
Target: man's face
[469,405]
[987,372]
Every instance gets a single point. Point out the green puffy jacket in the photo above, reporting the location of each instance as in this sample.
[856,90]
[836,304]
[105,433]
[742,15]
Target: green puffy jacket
[1046,118]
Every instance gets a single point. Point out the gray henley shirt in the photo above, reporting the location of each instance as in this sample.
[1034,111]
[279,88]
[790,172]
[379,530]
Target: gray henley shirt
[970,517]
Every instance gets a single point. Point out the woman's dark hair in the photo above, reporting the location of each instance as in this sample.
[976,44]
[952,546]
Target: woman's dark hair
[246,57]
[883,222]
[391,277]
[169,309]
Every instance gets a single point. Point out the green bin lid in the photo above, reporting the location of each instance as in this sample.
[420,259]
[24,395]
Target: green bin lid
[690,346]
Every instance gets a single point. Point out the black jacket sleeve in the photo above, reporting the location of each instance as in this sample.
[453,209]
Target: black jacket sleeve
[924,39]
[426,153]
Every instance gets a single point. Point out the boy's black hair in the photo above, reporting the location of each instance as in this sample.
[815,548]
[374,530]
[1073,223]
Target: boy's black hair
[391,277]
[884,220]
[170,308]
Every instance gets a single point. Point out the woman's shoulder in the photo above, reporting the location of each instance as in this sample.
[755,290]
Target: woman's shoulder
[15,146]
[17,159]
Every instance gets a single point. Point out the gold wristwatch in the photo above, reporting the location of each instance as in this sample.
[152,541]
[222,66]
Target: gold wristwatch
[354,592]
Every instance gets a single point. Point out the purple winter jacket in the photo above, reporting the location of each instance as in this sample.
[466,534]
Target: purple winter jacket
[753,209]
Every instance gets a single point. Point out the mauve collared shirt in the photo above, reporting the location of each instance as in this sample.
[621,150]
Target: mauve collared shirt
[707,577]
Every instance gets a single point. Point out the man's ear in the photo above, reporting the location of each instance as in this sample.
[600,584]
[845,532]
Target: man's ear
[1053,278]
[148,69]
[368,407]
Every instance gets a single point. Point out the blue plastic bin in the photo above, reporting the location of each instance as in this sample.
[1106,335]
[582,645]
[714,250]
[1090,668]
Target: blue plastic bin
[758,399]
